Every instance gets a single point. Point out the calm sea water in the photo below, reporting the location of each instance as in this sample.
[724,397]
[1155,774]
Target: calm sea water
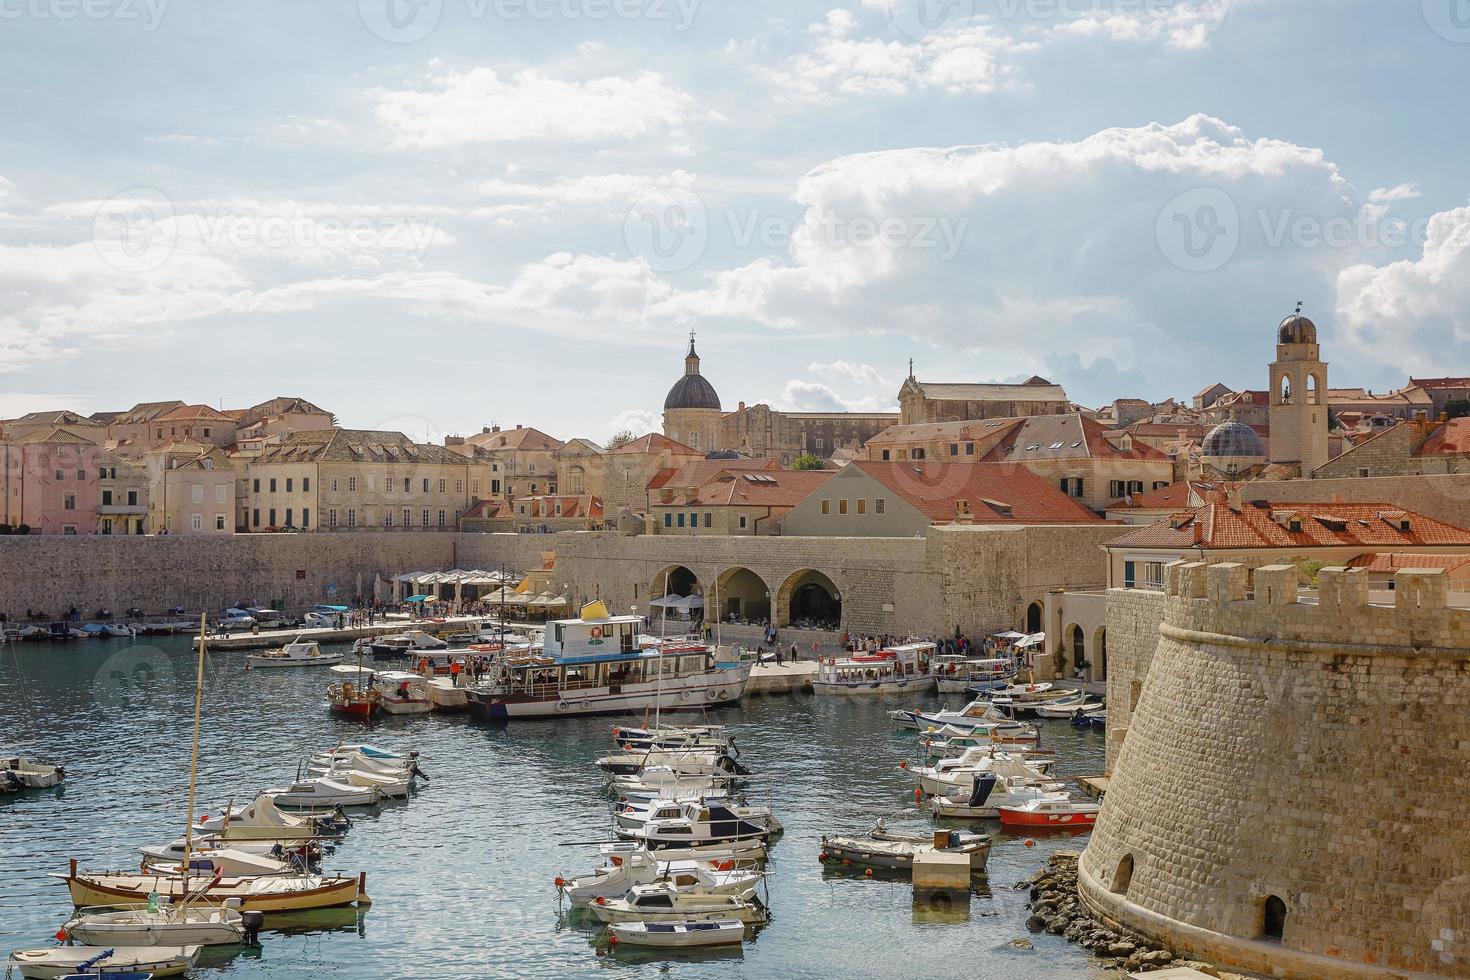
[462,876]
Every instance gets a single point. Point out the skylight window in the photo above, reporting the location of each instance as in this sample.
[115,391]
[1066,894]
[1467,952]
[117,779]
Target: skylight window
[1056,445]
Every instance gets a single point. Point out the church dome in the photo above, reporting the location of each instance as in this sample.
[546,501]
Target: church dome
[1232,439]
[1297,329]
[692,390]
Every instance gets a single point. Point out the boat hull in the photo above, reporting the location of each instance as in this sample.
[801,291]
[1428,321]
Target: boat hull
[63,961]
[707,690]
[157,934]
[873,689]
[133,890]
[1040,821]
[722,933]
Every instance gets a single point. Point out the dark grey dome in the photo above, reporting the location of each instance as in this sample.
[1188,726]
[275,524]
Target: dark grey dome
[1297,329]
[1233,439]
[692,391]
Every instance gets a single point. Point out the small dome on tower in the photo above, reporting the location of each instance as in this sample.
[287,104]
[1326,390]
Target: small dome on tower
[1232,439]
[1297,329]
[692,390]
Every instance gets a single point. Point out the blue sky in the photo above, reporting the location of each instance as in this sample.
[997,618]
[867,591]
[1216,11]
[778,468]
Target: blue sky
[438,214]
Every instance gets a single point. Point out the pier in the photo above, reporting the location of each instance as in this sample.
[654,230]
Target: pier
[787,678]
[267,639]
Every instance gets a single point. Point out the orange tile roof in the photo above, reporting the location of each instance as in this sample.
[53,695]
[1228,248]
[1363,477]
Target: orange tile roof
[759,488]
[1393,561]
[1177,496]
[997,493]
[1268,525]
[190,413]
[700,471]
[1065,437]
[654,443]
[523,438]
[1451,438]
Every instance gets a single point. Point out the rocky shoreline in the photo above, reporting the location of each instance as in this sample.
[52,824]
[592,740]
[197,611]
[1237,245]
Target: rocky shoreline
[1055,908]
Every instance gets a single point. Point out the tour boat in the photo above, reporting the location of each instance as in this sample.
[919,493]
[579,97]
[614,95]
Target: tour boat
[662,902]
[677,935]
[60,962]
[881,848]
[1050,813]
[598,664]
[988,794]
[22,773]
[200,926]
[405,645]
[275,893]
[709,822]
[904,669]
[729,875]
[298,653]
[957,674]
[347,698]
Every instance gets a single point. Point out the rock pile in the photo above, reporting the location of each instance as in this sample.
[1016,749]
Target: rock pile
[1056,909]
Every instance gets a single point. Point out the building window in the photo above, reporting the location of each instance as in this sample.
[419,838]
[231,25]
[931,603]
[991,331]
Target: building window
[351,517]
[1135,486]
[425,516]
[474,488]
[306,484]
[68,529]
[1363,471]
[693,440]
[81,475]
[388,484]
[954,449]
[742,522]
[273,484]
[388,517]
[917,454]
[219,493]
[332,517]
[886,455]
[862,505]
[495,486]
[351,488]
[969,449]
[826,507]
[69,502]
[288,484]
[442,485]
[681,518]
[878,505]
[206,433]
[197,523]
[106,498]
[1115,488]
[272,521]
[668,519]
[441,516]
[255,517]
[289,522]
[60,476]
[196,494]
[708,519]
[426,486]
[458,486]
[219,522]
[334,484]
[407,517]
[842,506]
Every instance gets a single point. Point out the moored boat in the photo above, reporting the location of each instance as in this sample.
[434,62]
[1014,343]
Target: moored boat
[903,669]
[21,773]
[70,961]
[957,674]
[677,935]
[298,653]
[881,848]
[662,902]
[260,894]
[1043,813]
[200,926]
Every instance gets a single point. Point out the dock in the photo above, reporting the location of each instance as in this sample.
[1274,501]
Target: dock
[324,635]
[786,678]
[1095,787]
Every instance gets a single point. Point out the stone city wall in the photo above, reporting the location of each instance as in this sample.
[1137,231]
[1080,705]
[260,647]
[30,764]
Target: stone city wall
[1288,799]
[1133,622]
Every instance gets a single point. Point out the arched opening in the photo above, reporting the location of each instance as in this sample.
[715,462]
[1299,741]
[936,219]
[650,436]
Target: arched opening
[1286,391]
[1312,389]
[676,580]
[1100,654]
[675,597]
[1079,649]
[742,596]
[812,601]
[1273,918]
[1123,877]
[1033,618]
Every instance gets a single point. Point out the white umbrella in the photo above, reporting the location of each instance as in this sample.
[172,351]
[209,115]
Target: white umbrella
[670,601]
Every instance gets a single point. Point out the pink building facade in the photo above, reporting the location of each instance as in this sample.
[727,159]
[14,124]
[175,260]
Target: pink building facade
[61,483]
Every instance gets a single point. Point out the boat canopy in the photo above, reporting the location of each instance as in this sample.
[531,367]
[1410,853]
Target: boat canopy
[322,607]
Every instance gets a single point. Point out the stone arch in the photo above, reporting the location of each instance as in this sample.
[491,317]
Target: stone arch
[1314,388]
[675,580]
[1123,877]
[1033,618]
[1072,650]
[811,596]
[1273,918]
[740,591]
[1100,654]
[1284,395]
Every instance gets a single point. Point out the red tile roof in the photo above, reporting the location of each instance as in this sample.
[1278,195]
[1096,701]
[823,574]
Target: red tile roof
[1451,438]
[701,471]
[1177,496]
[760,488]
[655,443]
[1269,525]
[1393,561]
[996,493]
[1065,437]
[191,413]
[522,438]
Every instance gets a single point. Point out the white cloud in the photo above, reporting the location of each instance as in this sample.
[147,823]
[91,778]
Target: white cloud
[1187,25]
[479,106]
[1387,195]
[864,374]
[813,396]
[639,421]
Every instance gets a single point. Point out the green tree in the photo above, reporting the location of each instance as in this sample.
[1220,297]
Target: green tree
[621,438]
[807,461]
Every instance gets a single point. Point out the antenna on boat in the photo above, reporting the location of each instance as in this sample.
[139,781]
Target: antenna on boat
[193,767]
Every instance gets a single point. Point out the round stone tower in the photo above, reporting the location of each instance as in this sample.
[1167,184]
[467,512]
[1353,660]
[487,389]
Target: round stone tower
[1289,795]
[692,408]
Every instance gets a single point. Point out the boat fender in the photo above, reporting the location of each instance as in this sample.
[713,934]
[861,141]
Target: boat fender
[686,694]
[561,706]
[724,694]
[709,695]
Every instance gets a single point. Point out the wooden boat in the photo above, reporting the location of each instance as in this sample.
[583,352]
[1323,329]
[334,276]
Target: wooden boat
[67,961]
[349,699]
[270,894]
[200,926]
[661,902]
[1040,814]
[678,935]
[23,773]
[881,848]
[299,653]
[905,669]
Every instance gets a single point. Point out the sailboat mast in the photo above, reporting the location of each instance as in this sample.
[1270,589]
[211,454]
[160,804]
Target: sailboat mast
[194,761]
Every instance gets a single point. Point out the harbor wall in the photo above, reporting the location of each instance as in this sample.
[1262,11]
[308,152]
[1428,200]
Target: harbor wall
[974,578]
[1289,797]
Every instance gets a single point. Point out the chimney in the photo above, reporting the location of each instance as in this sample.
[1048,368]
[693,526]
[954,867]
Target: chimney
[742,406]
[1233,497]
[518,425]
[1337,498]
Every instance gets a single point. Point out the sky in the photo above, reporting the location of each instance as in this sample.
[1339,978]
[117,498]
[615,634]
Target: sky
[435,215]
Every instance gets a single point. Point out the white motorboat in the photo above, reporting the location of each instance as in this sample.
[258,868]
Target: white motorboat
[22,773]
[198,926]
[117,629]
[404,693]
[227,860]
[652,783]
[710,822]
[395,768]
[709,738]
[375,752]
[945,742]
[730,875]
[678,935]
[205,844]
[978,714]
[957,674]
[662,902]
[634,813]
[261,819]
[881,848]
[947,776]
[685,762]
[395,786]
[1065,813]
[298,653]
[404,646]
[324,792]
[990,792]
[67,961]
[904,669]
[1067,708]
[746,850]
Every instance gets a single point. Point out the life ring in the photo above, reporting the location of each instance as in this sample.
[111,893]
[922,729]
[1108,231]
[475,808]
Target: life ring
[561,706]
[597,632]
[686,694]
[709,695]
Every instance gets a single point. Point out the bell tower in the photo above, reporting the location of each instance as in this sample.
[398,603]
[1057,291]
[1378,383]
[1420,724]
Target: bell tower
[1298,396]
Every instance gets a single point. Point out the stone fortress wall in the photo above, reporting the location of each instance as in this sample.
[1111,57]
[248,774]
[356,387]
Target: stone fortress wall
[976,578]
[1289,798]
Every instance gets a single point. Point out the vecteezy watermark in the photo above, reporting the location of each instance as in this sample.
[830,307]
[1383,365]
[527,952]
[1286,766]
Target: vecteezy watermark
[407,21]
[298,229]
[919,18]
[670,229]
[1450,19]
[147,14]
[1199,230]
[132,681]
[136,230]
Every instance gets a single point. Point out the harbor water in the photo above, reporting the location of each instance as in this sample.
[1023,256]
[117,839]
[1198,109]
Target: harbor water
[461,877]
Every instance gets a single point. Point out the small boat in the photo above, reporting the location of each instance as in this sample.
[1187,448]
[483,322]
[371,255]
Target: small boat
[20,773]
[395,785]
[116,629]
[298,653]
[274,893]
[71,961]
[685,762]
[959,773]
[1067,708]
[209,844]
[700,824]
[198,926]
[730,875]
[1098,720]
[957,674]
[1050,813]
[662,902]
[656,782]
[635,813]
[678,935]
[347,698]
[618,851]
[262,820]
[978,714]
[374,752]
[403,646]
[403,693]
[881,848]
[705,737]
[988,794]
[226,860]
[946,742]
[904,669]
[324,792]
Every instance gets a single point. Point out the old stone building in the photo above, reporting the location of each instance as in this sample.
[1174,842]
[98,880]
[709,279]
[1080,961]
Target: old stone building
[1408,449]
[579,467]
[628,469]
[535,515]
[744,500]
[519,462]
[928,401]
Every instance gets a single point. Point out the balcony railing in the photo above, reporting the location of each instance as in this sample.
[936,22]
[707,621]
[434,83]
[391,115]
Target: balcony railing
[122,510]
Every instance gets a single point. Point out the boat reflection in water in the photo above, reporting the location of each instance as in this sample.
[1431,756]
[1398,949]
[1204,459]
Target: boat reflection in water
[318,921]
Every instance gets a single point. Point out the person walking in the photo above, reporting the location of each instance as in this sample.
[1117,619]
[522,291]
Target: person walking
[454,669]
[794,653]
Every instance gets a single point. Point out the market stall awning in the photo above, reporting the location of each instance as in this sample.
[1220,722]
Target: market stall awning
[670,601]
[418,598]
